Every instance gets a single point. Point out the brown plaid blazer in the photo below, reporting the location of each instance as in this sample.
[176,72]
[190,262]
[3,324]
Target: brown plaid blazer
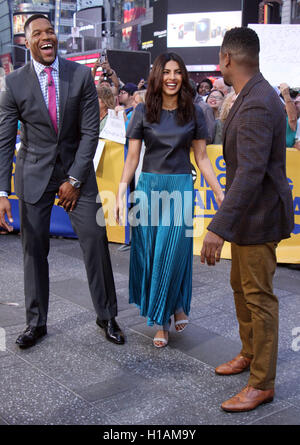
[258,206]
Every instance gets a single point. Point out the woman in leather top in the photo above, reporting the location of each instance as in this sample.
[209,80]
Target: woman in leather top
[161,257]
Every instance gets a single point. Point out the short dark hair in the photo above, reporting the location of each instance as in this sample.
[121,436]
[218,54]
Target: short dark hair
[242,43]
[208,81]
[32,18]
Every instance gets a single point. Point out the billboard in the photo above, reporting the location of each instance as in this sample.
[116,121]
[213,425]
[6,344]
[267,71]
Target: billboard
[201,29]
[192,29]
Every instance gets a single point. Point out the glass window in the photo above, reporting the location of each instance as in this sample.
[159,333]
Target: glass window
[295,11]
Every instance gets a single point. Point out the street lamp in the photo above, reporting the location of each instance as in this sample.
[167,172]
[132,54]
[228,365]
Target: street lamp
[23,48]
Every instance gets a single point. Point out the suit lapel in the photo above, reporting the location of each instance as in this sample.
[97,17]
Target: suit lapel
[36,87]
[64,79]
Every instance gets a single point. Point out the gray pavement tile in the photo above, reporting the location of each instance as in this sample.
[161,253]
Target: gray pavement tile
[287,416]
[77,291]
[7,360]
[64,315]
[199,343]
[130,317]
[218,297]
[11,287]
[123,382]
[75,376]
[289,390]
[74,290]
[3,422]
[11,315]
[221,323]
[140,403]
[84,331]
[289,319]
[28,396]
[73,365]
[288,284]
[200,310]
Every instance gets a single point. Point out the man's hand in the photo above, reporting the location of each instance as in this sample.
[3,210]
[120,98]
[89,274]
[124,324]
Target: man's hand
[211,249]
[68,196]
[5,209]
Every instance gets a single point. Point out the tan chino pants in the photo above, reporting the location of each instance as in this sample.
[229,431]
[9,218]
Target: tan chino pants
[252,272]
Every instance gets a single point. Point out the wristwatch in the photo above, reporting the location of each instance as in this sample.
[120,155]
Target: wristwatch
[74,182]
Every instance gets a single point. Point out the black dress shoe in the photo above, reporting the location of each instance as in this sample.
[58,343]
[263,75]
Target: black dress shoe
[30,336]
[112,331]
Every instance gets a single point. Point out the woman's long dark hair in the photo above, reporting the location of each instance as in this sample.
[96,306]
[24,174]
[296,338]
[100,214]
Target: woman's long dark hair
[185,110]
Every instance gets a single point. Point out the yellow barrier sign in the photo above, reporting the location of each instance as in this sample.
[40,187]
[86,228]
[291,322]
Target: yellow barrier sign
[288,250]
[109,174]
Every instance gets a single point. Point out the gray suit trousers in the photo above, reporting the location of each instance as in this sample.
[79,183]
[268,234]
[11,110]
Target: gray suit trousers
[35,228]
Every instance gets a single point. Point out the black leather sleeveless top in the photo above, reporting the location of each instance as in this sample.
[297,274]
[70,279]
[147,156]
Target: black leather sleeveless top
[167,144]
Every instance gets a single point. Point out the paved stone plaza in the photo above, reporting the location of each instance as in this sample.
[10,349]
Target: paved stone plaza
[75,376]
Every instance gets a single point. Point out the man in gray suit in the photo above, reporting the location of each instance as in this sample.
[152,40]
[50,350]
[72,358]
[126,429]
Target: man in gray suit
[256,214]
[56,102]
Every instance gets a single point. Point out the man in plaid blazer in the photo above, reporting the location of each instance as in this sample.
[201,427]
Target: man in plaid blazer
[256,214]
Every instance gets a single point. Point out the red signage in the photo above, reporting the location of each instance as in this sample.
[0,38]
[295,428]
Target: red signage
[6,63]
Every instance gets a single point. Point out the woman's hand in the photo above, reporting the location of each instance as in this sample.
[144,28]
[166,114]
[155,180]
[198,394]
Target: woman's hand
[220,199]
[118,211]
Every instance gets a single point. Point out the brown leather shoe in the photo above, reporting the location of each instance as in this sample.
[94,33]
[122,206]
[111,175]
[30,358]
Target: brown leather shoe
[235,366]
[249,398]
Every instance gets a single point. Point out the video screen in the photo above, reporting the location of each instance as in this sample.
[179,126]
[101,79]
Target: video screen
[200,29]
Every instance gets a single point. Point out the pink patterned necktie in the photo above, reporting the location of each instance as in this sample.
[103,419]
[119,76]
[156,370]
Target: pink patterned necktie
[51,98]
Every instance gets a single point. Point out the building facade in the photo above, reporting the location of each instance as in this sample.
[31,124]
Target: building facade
[5,36]
[127,25]
[290,12]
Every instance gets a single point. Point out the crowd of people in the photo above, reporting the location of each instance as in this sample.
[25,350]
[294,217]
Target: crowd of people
[171,115]
[213,96]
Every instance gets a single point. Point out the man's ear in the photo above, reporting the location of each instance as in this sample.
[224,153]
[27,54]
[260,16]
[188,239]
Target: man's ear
[26,43]
[227,59]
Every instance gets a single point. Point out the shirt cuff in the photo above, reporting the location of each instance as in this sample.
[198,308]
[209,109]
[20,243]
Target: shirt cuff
[3,195]
[72,177]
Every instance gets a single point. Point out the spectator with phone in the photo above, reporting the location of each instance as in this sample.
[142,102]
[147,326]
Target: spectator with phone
[291,114]
[142,85]
[297,137]
[107,74]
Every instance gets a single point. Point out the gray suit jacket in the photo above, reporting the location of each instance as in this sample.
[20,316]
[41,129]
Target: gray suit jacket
[75,142]
[258,206]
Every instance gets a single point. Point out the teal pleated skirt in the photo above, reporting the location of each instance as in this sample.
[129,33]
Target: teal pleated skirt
[161,255]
